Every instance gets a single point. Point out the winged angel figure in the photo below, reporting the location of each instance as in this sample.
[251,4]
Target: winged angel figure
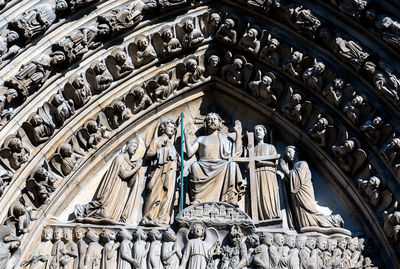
[202,247]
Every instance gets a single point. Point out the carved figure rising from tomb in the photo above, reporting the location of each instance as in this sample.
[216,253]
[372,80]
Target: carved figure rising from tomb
[171,253]
[14,152]
[40,184]
[312,77]
[120,64]
[304,207]
[19,216]
[262,87]
[161,183]
[170,44]
[270,52]
[63,109]
[198,250]
[154,256]
[93,253]
[290,253]
[194,71]
[250,41]
[351,158]
[70,254]
[141,100]
[144,52]
[5,100]
[39,128]
[293,67]
[304,21]
[38,19]
[119,180]
[108,256]
[334,92]
[377,131]
[117,114]
[125,259]
[77,90]
[41,257]
[226,32]
[7,49]
[259,256]
[237,71]
[140,248]
[98,76]
[222,180]
[31,76]
[267,195]
[5,179]
[276,251]
[349,51]
[192,35]
[162,87]
[252,243]
[10,252]
[65,159]
[79,234]
[391,151]
[235,254]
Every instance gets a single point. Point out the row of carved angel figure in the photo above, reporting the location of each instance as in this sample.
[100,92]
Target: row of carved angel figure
[198,247]
[186,34]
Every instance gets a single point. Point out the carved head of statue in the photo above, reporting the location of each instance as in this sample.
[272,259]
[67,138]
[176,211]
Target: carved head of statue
[47,234]
[79,232]
[229,24]
[297,57]
[357,101]
[252,241]
[58,99]
[279,239]
[167,34]
[188,25]
[319,68]
[260,132]
[68,235]
[374,182]
[167,127]
[237,64]
[142,43]
[370,68]
[78,82]
[131,146]
[296,99]
[163,79]
[215,19]
[301,241]
[93,236]
[338,83]
[103,29]
[352,243]
[66,150]
[332,244]
[12,36]
[191,65]
[267,239]
[41,173]
[361,244]
[11,94]
[57,57]
[169,236]
[252,33]
[120,56]
[36,120]
[58,233]
[273,44]
[322,243]
[15,144]
[322,124]
[61,5]
[119,107]
[213,60]
[395,218]
[212,122]
[266,80]
[154,235]
[99,67]
[290,241]
[342,243]
[311,242]
[198,230]
[92,126]
[291,153]
[108,235]
[140,235]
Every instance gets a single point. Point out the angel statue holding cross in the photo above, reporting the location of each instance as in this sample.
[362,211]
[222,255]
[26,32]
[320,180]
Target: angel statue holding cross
[214,177]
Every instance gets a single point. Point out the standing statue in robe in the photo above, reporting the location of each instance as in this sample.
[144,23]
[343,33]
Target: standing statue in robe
[214,177]
[114,201]
[162,176]
[268,189]
[304,207]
